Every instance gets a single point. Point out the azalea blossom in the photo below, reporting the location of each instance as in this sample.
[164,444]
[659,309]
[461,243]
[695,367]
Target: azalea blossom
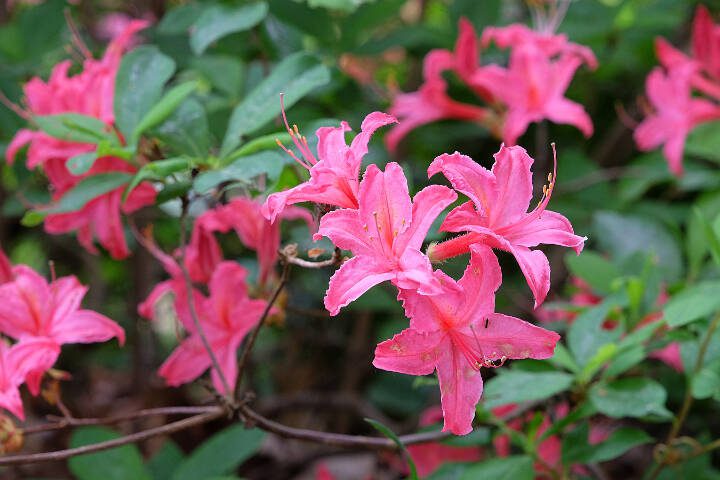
[16,362]
[226,316]
[334,172]
[532,88]
[6,273]
[385,234]
[456,332]
[497,215]
[244,216]
[91,93]
[30,307]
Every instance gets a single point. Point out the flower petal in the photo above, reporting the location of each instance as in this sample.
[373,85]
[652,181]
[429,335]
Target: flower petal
[409,352]
[352,279]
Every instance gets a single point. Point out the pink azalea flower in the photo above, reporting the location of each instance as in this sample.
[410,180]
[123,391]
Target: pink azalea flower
[91,93]
[497,215]
[706,42]
[226,316]
[551,44]
[17,362]
[676,113]
[334,172]
[244,216]
[431,102]
[532,88]
[456,332]
[385,234]
[430,456]
[30,307]
[6,272]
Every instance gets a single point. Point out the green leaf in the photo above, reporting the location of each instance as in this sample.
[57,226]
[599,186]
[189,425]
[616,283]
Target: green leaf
[594,269]
[165,461]
[625,360]
[74,127]
[81,164]
[220,454]
[514,467]
[139,84]
[119,463]
[693,303]
[244,169]
[222,71]
[163,108]
[295,76]
[563,359]
[626,235]
[156,170]
[586,335]
[630,397]
[602,356]
[704,141]
[186,131]
[179,19]
[32,218]
[392,436]
[219,21]
[706,382]
[711,232]
[577,449]
[515,386]
[86,190]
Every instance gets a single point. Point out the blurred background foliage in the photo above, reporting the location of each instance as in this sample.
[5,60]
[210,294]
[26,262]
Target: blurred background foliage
[647,229]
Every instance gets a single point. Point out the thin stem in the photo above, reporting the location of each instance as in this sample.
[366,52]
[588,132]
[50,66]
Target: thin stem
[688,399]
[250,342]
[335,439]
[191,300]
[117,442]
[64,422]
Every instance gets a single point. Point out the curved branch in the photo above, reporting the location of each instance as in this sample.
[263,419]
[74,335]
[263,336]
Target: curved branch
[336,439]
[117,442]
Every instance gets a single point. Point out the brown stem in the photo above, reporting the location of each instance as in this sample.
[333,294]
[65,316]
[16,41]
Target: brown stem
[335,439]
[64,422]
[191,300]
[250,342]
[117,442]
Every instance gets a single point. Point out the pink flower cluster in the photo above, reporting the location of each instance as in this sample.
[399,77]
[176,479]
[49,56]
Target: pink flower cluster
[531,88]
[683,92]
[41,317]
[228,313]
[453,329]
[91,93]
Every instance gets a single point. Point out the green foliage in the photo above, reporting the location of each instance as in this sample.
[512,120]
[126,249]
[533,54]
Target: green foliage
[218,21]
[630,397]
[118,463]
[509,386]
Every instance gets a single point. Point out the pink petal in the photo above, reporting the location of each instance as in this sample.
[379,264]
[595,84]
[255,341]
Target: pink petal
[428,203]
[467,177]
[461,387]
[429,313]
[30,354]
[67,294]
[345,230]
[513,180]
[536,268]
[352,279]
[10,401]
[480,281]
[513,338]
[186,363]
[564,111]
[415,273]
[332,147]
[6,274]
[227,286]
[385,206]
[24,303]
[21,138]
[409,352]
[147,308]
[549,228]
[86,326]
[227,358]
[375,120]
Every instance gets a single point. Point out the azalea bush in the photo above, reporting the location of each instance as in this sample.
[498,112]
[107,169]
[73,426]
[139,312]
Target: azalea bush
[360,239]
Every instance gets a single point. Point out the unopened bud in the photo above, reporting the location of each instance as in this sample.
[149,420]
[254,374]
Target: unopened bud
[11,437]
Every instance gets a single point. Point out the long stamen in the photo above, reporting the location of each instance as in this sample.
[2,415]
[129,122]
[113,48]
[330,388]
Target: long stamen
[292,154]
[299,140]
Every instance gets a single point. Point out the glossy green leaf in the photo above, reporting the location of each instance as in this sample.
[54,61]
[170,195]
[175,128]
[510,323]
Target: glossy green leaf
[165,461]
[218,21]
[695,302]
[295,76]
[515,386]
[88,189]
[81,164]
[139,85]
[74,127]
[577,449]
[514,467]
[186,131]
[119,463]
[594,269]
[630,397]
[164,108]
[244,169]
[586,335]
[156,170]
